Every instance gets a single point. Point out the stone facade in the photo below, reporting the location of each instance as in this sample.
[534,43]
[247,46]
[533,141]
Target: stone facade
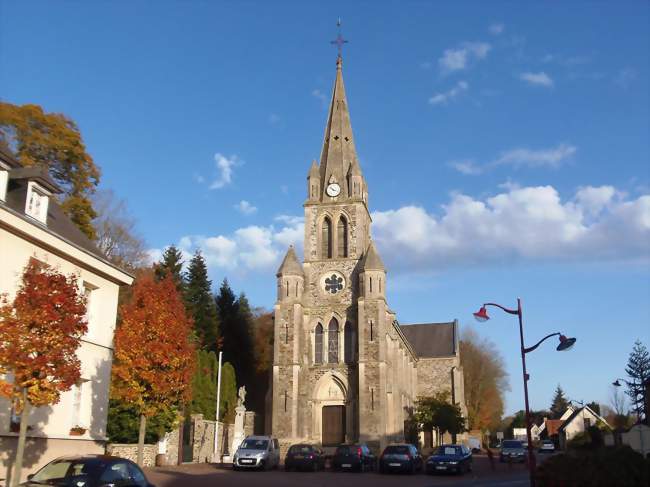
[130,451]
[343,369]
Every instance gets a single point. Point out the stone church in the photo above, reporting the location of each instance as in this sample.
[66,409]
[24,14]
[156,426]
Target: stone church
[344,368]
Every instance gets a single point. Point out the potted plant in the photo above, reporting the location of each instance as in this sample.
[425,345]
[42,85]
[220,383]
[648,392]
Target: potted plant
[77,431]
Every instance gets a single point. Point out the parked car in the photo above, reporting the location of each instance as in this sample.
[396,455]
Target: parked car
[547,446]
[258,452]
[450,458]
[400,457]
[353,457]
[89,471]
[304,457]
[513,451]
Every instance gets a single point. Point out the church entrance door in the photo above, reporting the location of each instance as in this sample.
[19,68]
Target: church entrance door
[333,425]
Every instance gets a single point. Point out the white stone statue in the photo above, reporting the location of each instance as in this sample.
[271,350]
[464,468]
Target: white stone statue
[241,396]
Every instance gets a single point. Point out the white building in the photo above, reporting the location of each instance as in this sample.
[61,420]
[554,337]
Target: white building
[579,421]
[33,225]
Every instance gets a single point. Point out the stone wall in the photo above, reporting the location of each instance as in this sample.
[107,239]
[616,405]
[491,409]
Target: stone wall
[203,445]
[130,452]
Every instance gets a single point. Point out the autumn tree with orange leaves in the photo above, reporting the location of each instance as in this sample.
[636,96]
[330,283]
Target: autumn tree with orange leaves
[40,332]
[154,351]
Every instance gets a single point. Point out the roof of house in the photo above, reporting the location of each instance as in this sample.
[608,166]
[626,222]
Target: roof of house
[553,426]
[430,340]
[58,223]
[577,412]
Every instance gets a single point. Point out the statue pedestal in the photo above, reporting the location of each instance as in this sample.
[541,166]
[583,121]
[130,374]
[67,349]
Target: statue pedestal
[238,435]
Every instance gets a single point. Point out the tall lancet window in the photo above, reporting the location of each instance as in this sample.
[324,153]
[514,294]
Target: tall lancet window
[318,344]
[326,238]
[348,345]
[342,235]
[333,342]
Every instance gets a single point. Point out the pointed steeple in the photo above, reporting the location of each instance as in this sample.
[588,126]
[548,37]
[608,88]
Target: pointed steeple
[371,260]
[313,170]
[338,143]
[290,265]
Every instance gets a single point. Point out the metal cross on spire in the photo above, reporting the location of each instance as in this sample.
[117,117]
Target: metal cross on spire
[339,41]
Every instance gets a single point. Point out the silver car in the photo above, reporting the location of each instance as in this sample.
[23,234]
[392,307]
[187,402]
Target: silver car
[259,452]
[512,451]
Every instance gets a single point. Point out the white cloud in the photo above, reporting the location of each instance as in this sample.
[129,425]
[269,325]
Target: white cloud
[225,167]
[466,166]
[530,223]
[443,98]
[245,208]
[552,157]
[319,95]
[538,79]
[495,29]
[460,57]
[252,248]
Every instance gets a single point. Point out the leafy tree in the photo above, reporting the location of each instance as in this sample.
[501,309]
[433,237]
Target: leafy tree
[263,351]
[559,404]
[436,412]
[638,370]
[200,303]
[235,318]
[123,423]
[171,264]
[204,385]
[486,380]
[54,141]
[115,230]
[154,355]
[40,332]
[228,396]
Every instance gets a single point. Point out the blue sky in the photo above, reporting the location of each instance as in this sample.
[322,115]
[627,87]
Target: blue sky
[505,146]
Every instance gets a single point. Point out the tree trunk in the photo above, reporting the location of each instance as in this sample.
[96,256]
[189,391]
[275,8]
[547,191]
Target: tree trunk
[143,429]
[22,435]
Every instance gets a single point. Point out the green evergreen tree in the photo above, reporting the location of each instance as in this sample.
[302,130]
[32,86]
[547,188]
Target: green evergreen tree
[204,385]
[123,423]
[245,367]
[638,370]
[559,404]
[228,396]
[171,263]
[200,303]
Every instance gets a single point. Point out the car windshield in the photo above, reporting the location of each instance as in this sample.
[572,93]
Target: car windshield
[397,450]
[252,444]
[448,450]
[300,449]
[63,469]
[512,444]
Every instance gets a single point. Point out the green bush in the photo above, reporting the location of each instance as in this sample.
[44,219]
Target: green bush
[123,423]
[604,467]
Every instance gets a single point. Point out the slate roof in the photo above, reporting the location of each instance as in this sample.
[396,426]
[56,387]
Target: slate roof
[58,222]
[371,259]
[290,265]
[431,340]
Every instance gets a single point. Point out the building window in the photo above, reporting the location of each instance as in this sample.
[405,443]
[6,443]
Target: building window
[89,293]
[318,344]
[348,344]
[4,180]
[37,201]
[333,342]
[342,236]
[77,402]
[326,238]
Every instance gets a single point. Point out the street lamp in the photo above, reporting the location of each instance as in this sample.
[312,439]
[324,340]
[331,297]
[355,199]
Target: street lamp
[565,344]
[617,383]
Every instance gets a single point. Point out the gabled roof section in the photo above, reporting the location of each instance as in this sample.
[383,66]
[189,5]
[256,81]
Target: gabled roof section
[290,265]
[371,260]
[432,340]
[338,143]
[35,173]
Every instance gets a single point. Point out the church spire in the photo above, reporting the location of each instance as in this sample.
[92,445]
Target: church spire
[338,143]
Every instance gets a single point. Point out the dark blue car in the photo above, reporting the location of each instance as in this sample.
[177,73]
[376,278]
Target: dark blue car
[450,459]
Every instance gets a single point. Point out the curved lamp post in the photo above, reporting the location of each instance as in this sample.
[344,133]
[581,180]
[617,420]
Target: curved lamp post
[564,344]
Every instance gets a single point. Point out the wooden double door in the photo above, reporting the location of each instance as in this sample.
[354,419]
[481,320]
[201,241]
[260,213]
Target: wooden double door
[333,427]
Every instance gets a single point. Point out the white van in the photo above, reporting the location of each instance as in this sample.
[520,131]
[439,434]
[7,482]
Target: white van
[260,452]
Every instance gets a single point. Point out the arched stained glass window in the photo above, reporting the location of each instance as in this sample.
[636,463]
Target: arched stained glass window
[342,236]
[326,239]
[333,341]
[318,344]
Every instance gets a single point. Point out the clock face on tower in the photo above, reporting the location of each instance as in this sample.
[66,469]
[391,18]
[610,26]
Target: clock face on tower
[333,190]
